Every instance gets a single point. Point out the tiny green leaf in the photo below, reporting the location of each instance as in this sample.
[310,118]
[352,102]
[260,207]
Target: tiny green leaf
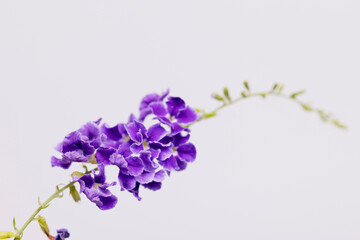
[294,95]
[75,194]
[226,94]
[243,94]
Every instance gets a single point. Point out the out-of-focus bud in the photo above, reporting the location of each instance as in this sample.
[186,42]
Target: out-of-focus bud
[6,234]
[226,94]
[43,225]
[75,194]
[217,97]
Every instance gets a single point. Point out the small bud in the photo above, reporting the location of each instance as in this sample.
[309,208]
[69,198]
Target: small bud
[226,94]
[338,124]
[43,225]
[217,97]
[294,95]
[275,86]
[281,88]
[6,235]
[75,194]
[306,107]
[243,94]
[246,84]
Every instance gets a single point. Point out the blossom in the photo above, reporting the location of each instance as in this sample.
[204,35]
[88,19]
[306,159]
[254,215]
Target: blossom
[95,189]
[62,234]
[78,146]
[144,152]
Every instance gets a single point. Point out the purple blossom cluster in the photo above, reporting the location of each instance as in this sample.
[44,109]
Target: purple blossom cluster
[143,154]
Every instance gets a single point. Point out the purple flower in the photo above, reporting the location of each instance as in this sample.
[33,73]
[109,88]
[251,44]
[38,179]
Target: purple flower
[62,234]
[143,152]
[78,146]
[95,189]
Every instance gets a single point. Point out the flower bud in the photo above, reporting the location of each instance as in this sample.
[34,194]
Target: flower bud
[6,234]
[75,194]
[43,225]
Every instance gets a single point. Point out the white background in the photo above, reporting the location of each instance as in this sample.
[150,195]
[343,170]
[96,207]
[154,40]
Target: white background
[265,169]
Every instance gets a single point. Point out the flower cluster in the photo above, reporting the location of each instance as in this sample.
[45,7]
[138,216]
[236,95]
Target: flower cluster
[144,149]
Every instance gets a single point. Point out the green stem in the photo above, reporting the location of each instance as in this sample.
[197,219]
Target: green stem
[326,117]
[42,206]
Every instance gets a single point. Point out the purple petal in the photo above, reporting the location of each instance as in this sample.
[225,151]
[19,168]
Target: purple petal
[169,164]
[136,131]
[149,164]
[135,165]
[108,202]
[100,177]
[174,105]
[103,155]
[179,139]
[136,147]
[158,108]
[145,102]
[145,177]
[74,156]
[187,115]
[113,133]
[182,164]
[159,176]
[187,152]
[127,182]
[156,132]
[153,186]
[65,164]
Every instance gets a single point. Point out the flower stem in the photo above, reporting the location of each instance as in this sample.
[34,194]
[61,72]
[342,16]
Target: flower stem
[326,117]
[42,206]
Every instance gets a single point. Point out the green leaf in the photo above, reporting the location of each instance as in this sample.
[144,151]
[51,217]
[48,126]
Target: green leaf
[243,94]
[294,95]
[226,94]
[75,194]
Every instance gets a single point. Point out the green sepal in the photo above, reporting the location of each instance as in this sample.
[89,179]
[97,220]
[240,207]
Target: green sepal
[75,194]
[78,174]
